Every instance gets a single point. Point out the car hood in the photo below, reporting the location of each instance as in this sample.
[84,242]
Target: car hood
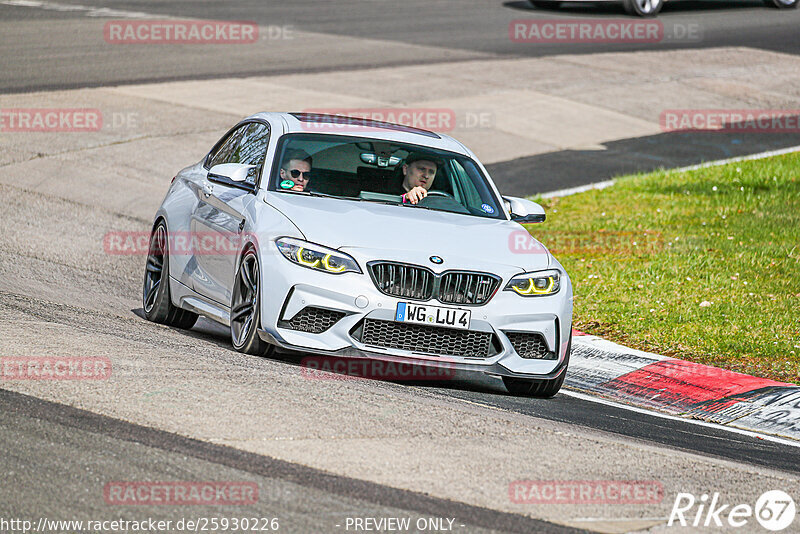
[370,230]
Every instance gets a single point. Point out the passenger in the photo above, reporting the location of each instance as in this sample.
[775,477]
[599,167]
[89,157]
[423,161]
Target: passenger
[418,170]
[296,168]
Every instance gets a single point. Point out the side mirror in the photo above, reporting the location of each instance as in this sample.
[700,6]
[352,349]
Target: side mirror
[233,172]
[524,211]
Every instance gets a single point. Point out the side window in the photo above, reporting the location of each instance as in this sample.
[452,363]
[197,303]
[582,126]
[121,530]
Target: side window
[227,150]
[253,149]
[465,192]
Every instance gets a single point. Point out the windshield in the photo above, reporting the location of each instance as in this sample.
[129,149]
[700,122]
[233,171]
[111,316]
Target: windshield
[374,170]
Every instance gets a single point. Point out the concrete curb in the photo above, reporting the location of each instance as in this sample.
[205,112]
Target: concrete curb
[682,388]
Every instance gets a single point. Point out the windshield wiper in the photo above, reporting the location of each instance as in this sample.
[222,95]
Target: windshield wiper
[410,205]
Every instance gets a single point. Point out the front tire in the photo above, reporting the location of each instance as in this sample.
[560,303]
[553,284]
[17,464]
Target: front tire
[540,389]
[156,299]
[643,8]
[246,307]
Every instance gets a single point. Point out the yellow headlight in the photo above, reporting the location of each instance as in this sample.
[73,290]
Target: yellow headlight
[533,290]
[327,265]
[303,261]
[536,284]
[317,257]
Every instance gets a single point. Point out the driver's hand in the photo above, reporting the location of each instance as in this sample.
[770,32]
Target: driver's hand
[416,194]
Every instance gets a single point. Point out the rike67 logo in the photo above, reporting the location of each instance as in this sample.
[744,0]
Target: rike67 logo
[774,510]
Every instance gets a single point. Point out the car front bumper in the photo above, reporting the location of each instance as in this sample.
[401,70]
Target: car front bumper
[290,288]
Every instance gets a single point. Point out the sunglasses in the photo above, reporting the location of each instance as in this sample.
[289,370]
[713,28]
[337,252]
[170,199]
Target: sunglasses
[294,173]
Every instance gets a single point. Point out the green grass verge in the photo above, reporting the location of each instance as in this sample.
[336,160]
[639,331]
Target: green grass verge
[701,265]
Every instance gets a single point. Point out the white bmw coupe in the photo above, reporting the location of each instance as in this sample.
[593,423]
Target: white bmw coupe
[360,239]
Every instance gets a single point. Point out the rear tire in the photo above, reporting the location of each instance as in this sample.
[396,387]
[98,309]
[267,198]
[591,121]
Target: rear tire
[246,307]
[540,389]
[643,8]
[781,4]
[156,299]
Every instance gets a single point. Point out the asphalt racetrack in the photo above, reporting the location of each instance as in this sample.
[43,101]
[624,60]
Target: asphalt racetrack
[184,406]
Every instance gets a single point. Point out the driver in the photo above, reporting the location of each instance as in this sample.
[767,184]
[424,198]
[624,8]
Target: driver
[419,170]
[296,169]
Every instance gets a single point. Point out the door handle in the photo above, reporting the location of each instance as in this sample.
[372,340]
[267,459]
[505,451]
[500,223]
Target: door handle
[208,189]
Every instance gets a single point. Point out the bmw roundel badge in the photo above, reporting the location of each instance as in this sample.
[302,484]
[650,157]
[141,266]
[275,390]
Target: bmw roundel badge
[437,260]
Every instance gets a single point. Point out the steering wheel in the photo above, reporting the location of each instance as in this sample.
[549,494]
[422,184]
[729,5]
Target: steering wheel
[442,201]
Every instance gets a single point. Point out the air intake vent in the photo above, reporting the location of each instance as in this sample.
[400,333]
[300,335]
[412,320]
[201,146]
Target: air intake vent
[312,320]
[467,288]
[419,283]
[401,280]
[530,346]
[427,339]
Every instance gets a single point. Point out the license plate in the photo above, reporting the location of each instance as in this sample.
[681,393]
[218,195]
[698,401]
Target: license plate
[432,315]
